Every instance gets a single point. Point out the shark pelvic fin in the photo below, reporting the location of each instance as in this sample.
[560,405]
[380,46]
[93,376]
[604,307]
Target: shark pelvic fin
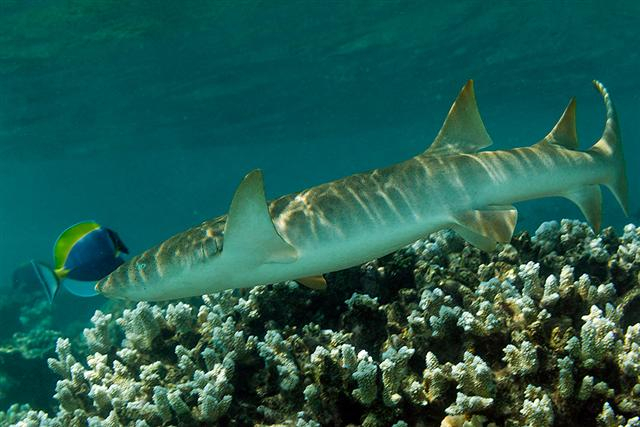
[463,130]
[249,230]
[589,200]
[564,132]
[485,228]
[317,283]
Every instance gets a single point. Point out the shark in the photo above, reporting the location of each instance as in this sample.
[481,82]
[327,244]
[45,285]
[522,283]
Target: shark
[453,184]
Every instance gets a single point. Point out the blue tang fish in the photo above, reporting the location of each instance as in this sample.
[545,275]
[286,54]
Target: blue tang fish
[83,254]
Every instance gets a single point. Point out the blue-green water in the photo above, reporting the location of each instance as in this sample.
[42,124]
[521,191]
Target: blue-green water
[144,115]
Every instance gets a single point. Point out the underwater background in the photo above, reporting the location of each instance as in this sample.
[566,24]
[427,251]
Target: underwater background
[145,115]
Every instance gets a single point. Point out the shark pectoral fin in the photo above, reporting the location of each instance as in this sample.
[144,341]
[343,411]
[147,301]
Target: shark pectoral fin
[485,228]
[313,282]
[463,130]
[249,230]
[564,132]
[589,200]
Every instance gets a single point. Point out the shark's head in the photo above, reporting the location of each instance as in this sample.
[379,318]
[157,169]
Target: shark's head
[112,287]
[222,253]
[135,281]
[142,279]
[177,268]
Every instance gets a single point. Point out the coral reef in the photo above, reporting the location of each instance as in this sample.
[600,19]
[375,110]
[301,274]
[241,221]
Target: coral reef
[543,331]
[28,339]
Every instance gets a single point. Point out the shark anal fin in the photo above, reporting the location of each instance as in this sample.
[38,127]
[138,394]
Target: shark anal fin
[564,132]
[317,283]
[589,200]
[485,228]
[463,130]
[249,231]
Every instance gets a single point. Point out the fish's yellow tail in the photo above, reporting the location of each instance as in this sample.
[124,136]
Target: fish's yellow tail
[609,147]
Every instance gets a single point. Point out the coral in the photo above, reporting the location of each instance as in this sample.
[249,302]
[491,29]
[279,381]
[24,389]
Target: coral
[537,408]
[275,351]
[597,336]
[566,381]
[436,377]
[474,376]
[543,330]
[27,339]
[141,326]
[366,375]
[394,370]
[98,338]
[523,360]
[469,404]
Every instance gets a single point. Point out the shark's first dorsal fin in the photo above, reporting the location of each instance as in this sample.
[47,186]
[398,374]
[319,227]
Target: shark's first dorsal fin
[564,132]
[463,130]
[249,231]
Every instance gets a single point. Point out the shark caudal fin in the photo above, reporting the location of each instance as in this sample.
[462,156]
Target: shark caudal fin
[609,147]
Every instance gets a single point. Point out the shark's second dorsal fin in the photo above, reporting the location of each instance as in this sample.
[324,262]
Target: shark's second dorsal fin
[463,130]
[249,231]
[564,132]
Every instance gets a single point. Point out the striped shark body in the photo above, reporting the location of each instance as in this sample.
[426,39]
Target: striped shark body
[346,222]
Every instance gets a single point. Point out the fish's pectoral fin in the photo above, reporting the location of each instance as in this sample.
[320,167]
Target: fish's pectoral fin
[589,200]
[485,228]
[317,283]
[249,229]
[463,130]
[564,132]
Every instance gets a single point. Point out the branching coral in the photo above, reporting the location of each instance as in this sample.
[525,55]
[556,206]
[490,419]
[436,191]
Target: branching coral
[541,331]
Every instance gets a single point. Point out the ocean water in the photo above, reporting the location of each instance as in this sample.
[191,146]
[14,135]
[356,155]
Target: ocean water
[145,115]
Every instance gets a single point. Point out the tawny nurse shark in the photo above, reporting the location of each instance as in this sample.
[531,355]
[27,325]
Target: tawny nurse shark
[352,220]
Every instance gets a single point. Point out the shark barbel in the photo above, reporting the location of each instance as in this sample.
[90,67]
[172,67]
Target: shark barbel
[355,219]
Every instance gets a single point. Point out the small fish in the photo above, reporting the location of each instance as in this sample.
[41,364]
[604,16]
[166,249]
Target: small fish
[83,254]
[452,184]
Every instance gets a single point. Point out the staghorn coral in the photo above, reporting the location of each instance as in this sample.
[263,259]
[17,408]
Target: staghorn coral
[544,330]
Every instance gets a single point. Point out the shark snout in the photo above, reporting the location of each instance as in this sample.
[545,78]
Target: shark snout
[107,287]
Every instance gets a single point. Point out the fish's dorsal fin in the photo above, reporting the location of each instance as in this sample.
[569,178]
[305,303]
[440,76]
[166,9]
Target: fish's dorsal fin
[564,132]
[249,231]
[463,130]
[317,283]
[69,237]
[485,228]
